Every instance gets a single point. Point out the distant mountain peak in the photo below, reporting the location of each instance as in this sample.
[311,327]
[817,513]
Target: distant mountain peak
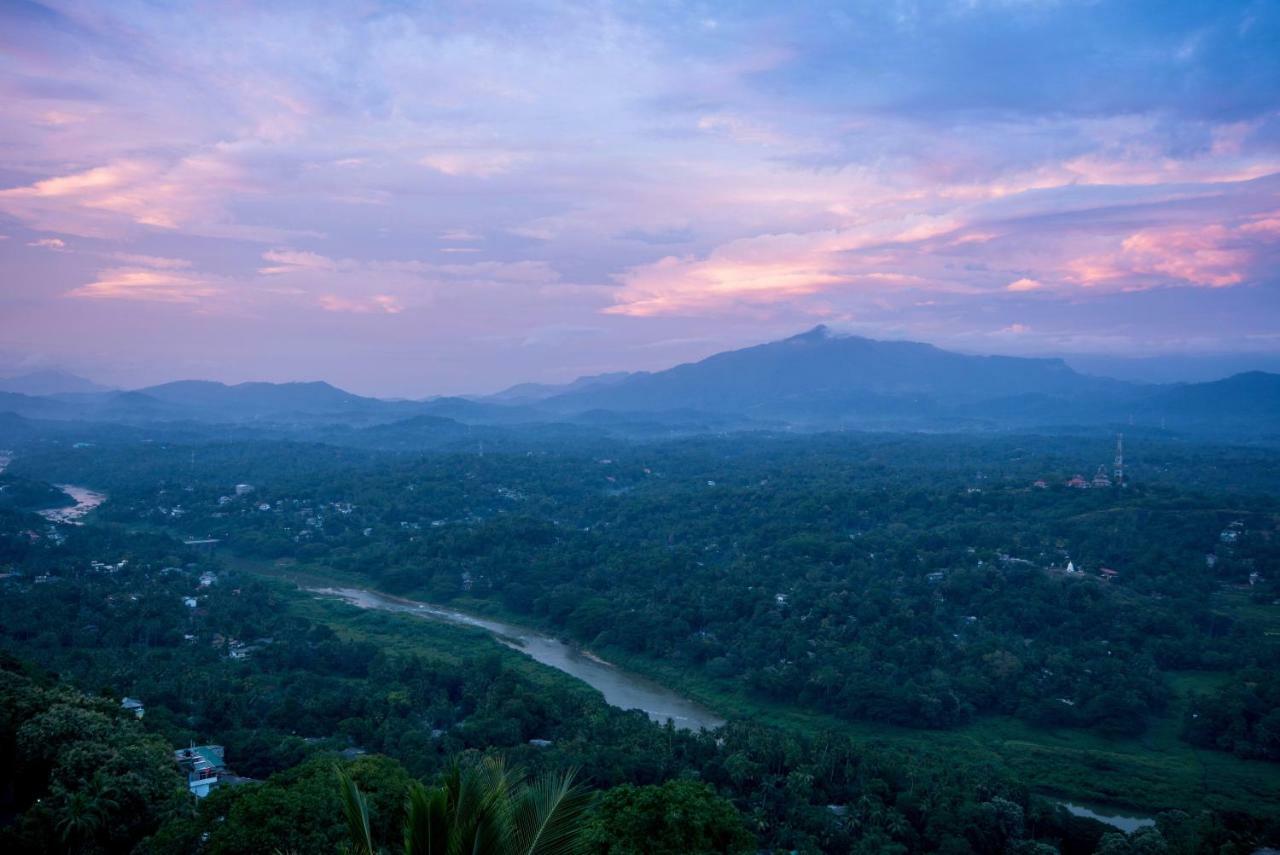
[821,332]
[821,373]
[530,392]
[50,381]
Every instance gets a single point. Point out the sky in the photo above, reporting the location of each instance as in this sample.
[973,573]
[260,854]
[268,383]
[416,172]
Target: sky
[411,198]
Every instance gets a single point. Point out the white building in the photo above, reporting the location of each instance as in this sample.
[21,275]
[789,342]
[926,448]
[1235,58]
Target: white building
[203,765]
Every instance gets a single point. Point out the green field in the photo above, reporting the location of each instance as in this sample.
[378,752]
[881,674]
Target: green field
[1154,772]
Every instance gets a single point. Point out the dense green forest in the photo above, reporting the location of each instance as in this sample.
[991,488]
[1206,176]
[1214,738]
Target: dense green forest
[28,495]
[307,693]
[912,582]
[906,583]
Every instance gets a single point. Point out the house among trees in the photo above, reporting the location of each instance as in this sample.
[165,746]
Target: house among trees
[204,766]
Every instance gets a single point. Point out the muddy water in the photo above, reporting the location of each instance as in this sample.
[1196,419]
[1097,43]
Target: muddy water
[86,500]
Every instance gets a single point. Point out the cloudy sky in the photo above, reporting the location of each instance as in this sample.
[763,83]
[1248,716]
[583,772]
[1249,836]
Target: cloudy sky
[412,198]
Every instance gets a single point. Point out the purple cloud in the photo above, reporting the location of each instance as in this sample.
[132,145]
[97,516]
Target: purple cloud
[465,176]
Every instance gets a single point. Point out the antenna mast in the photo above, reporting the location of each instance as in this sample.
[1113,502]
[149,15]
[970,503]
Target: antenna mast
[1119,468]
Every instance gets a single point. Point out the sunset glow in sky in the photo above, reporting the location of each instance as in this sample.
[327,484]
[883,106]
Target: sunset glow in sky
[415,198]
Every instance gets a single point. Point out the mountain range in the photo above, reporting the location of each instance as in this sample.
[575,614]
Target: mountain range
[821,372]
[818,380]
[49,382]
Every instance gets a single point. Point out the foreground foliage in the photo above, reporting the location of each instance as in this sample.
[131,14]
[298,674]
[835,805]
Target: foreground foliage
[675,818]
[805,580]
[482,807]
[78,775]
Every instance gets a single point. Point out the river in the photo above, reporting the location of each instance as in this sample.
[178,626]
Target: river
[620,688]
[86,500]
[1127,824]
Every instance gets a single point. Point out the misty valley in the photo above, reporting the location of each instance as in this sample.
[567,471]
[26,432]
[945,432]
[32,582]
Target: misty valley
[610,427]
[745,628]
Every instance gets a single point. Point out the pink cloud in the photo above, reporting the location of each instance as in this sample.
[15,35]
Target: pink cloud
[464,235]
[1266,227]
[293,261]
[49,243]
[84,202]
[1023,284]
[773,268]
[156,261]
[1213,255]
[147,285]
[106,200]
[384,303]
[473,163]
[1201,256]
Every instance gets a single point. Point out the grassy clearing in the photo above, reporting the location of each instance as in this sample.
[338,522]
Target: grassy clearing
[1237,604]
[1150,773]
[435,641]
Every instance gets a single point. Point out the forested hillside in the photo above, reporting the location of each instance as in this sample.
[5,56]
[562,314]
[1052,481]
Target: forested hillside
[880,618]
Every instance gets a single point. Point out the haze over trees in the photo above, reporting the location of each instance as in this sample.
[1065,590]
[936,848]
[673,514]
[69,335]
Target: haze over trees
[818,380]
[920,641]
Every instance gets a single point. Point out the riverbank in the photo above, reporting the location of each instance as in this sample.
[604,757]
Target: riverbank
[1143,775]
[86,500]
[1121,822]
[619,688]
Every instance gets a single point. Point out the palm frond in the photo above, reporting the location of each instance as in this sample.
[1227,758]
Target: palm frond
[426,821]
[482,810]
[547,816]
[356,809]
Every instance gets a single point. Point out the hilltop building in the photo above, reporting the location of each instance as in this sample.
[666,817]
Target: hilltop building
[1101,478]
[204,766]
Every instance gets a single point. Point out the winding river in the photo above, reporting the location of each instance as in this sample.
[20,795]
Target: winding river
[620,689]
[86,500]
[1105,815]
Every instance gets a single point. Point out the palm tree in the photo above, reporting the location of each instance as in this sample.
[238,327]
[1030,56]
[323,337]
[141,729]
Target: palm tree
[80,818]
[85,810]
[485,809]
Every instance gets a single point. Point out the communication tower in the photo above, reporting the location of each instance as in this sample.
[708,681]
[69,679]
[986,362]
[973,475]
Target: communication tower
[1118,474]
